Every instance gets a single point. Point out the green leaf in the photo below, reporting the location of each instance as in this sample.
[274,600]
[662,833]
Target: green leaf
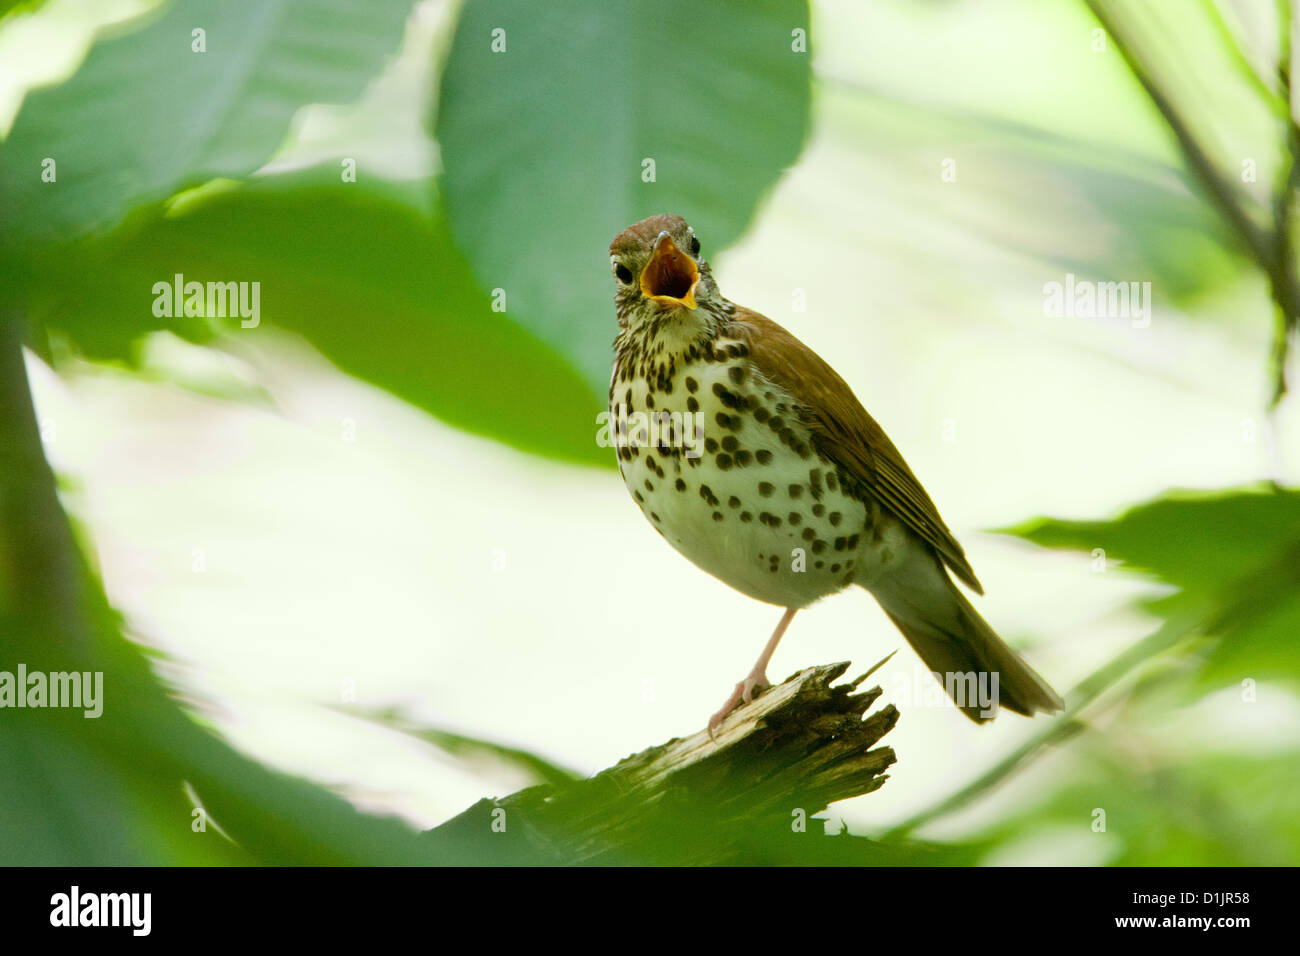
[1234,558]
[544,143]
[471,749]
[1173,811]
[146,115]
[109,790]
[1194,540]
[374,285]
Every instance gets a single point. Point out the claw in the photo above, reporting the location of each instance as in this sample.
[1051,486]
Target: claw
[744,692]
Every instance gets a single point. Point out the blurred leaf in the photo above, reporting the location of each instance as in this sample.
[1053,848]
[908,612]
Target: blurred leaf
[109,790]
[1162,811]
[374,285]
[544,144]
[191,116]
[1194,540]
[471,748]
[1234,558]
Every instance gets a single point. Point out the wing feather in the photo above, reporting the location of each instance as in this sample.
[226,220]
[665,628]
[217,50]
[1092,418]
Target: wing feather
[844,433]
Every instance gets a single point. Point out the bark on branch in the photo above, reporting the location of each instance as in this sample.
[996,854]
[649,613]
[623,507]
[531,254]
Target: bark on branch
[778,760]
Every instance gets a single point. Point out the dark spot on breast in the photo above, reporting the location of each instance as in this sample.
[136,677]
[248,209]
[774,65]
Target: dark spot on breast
[649,485]
[796,491]
[724,461]
[818,546]
[839,543]
[765,488]
[691,384]
[835,569]
[830,480]
[809,534]
[761,414]
[707,494]
[746,516]
[729,399]
[819,509]
[637,496]
[733,502]
[835,518]
[853,543]
[679,484]
[730,443]
[736,374]
[653,516]
[710,445]
[649,399]
[692,404]
[764,456]
[795,518]
[717,516]
[743,458]
[769,519]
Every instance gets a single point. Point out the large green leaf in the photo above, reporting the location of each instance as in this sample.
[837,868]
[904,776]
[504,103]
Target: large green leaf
[1234,558]
[544,143]
[146,115]
[374,285]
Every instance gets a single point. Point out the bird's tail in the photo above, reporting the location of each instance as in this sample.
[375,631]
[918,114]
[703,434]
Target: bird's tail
[959,646]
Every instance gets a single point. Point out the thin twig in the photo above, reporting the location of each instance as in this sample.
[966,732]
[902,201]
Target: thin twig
[1271,249]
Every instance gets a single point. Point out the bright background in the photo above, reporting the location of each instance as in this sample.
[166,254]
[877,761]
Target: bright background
[292,529]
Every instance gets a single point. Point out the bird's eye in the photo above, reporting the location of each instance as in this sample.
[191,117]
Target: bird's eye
[695,245]
[624,273]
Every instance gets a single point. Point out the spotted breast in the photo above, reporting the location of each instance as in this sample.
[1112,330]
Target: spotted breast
[721,464]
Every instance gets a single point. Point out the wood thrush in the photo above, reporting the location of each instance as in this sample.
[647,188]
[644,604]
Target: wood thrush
[753,458]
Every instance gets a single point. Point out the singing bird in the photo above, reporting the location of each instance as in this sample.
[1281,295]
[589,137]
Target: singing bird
[786,489]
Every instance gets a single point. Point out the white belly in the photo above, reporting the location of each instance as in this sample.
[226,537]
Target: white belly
[753,511]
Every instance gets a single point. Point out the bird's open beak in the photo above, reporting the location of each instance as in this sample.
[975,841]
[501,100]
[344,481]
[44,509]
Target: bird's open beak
[670,276]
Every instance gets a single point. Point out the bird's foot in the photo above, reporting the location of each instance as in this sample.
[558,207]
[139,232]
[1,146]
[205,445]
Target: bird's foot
[749,688]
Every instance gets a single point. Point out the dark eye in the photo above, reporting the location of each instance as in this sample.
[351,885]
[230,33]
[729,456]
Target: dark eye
[624,273]
[695,245]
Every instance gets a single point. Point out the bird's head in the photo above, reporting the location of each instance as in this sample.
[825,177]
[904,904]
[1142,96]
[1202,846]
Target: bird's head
[658,273]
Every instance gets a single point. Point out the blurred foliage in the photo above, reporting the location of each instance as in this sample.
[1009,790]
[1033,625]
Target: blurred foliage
[148,113]
[1216,809]
[543,152]
[545,148]
[398,309]
[1234,557]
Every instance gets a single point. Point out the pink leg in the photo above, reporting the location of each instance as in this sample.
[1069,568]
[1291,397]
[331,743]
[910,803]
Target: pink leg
[757,678]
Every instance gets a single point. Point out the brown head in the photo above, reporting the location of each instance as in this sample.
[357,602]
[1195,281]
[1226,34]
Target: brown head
[658,273]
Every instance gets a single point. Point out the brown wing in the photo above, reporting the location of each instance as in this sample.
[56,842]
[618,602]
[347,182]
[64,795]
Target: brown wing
[847,435]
